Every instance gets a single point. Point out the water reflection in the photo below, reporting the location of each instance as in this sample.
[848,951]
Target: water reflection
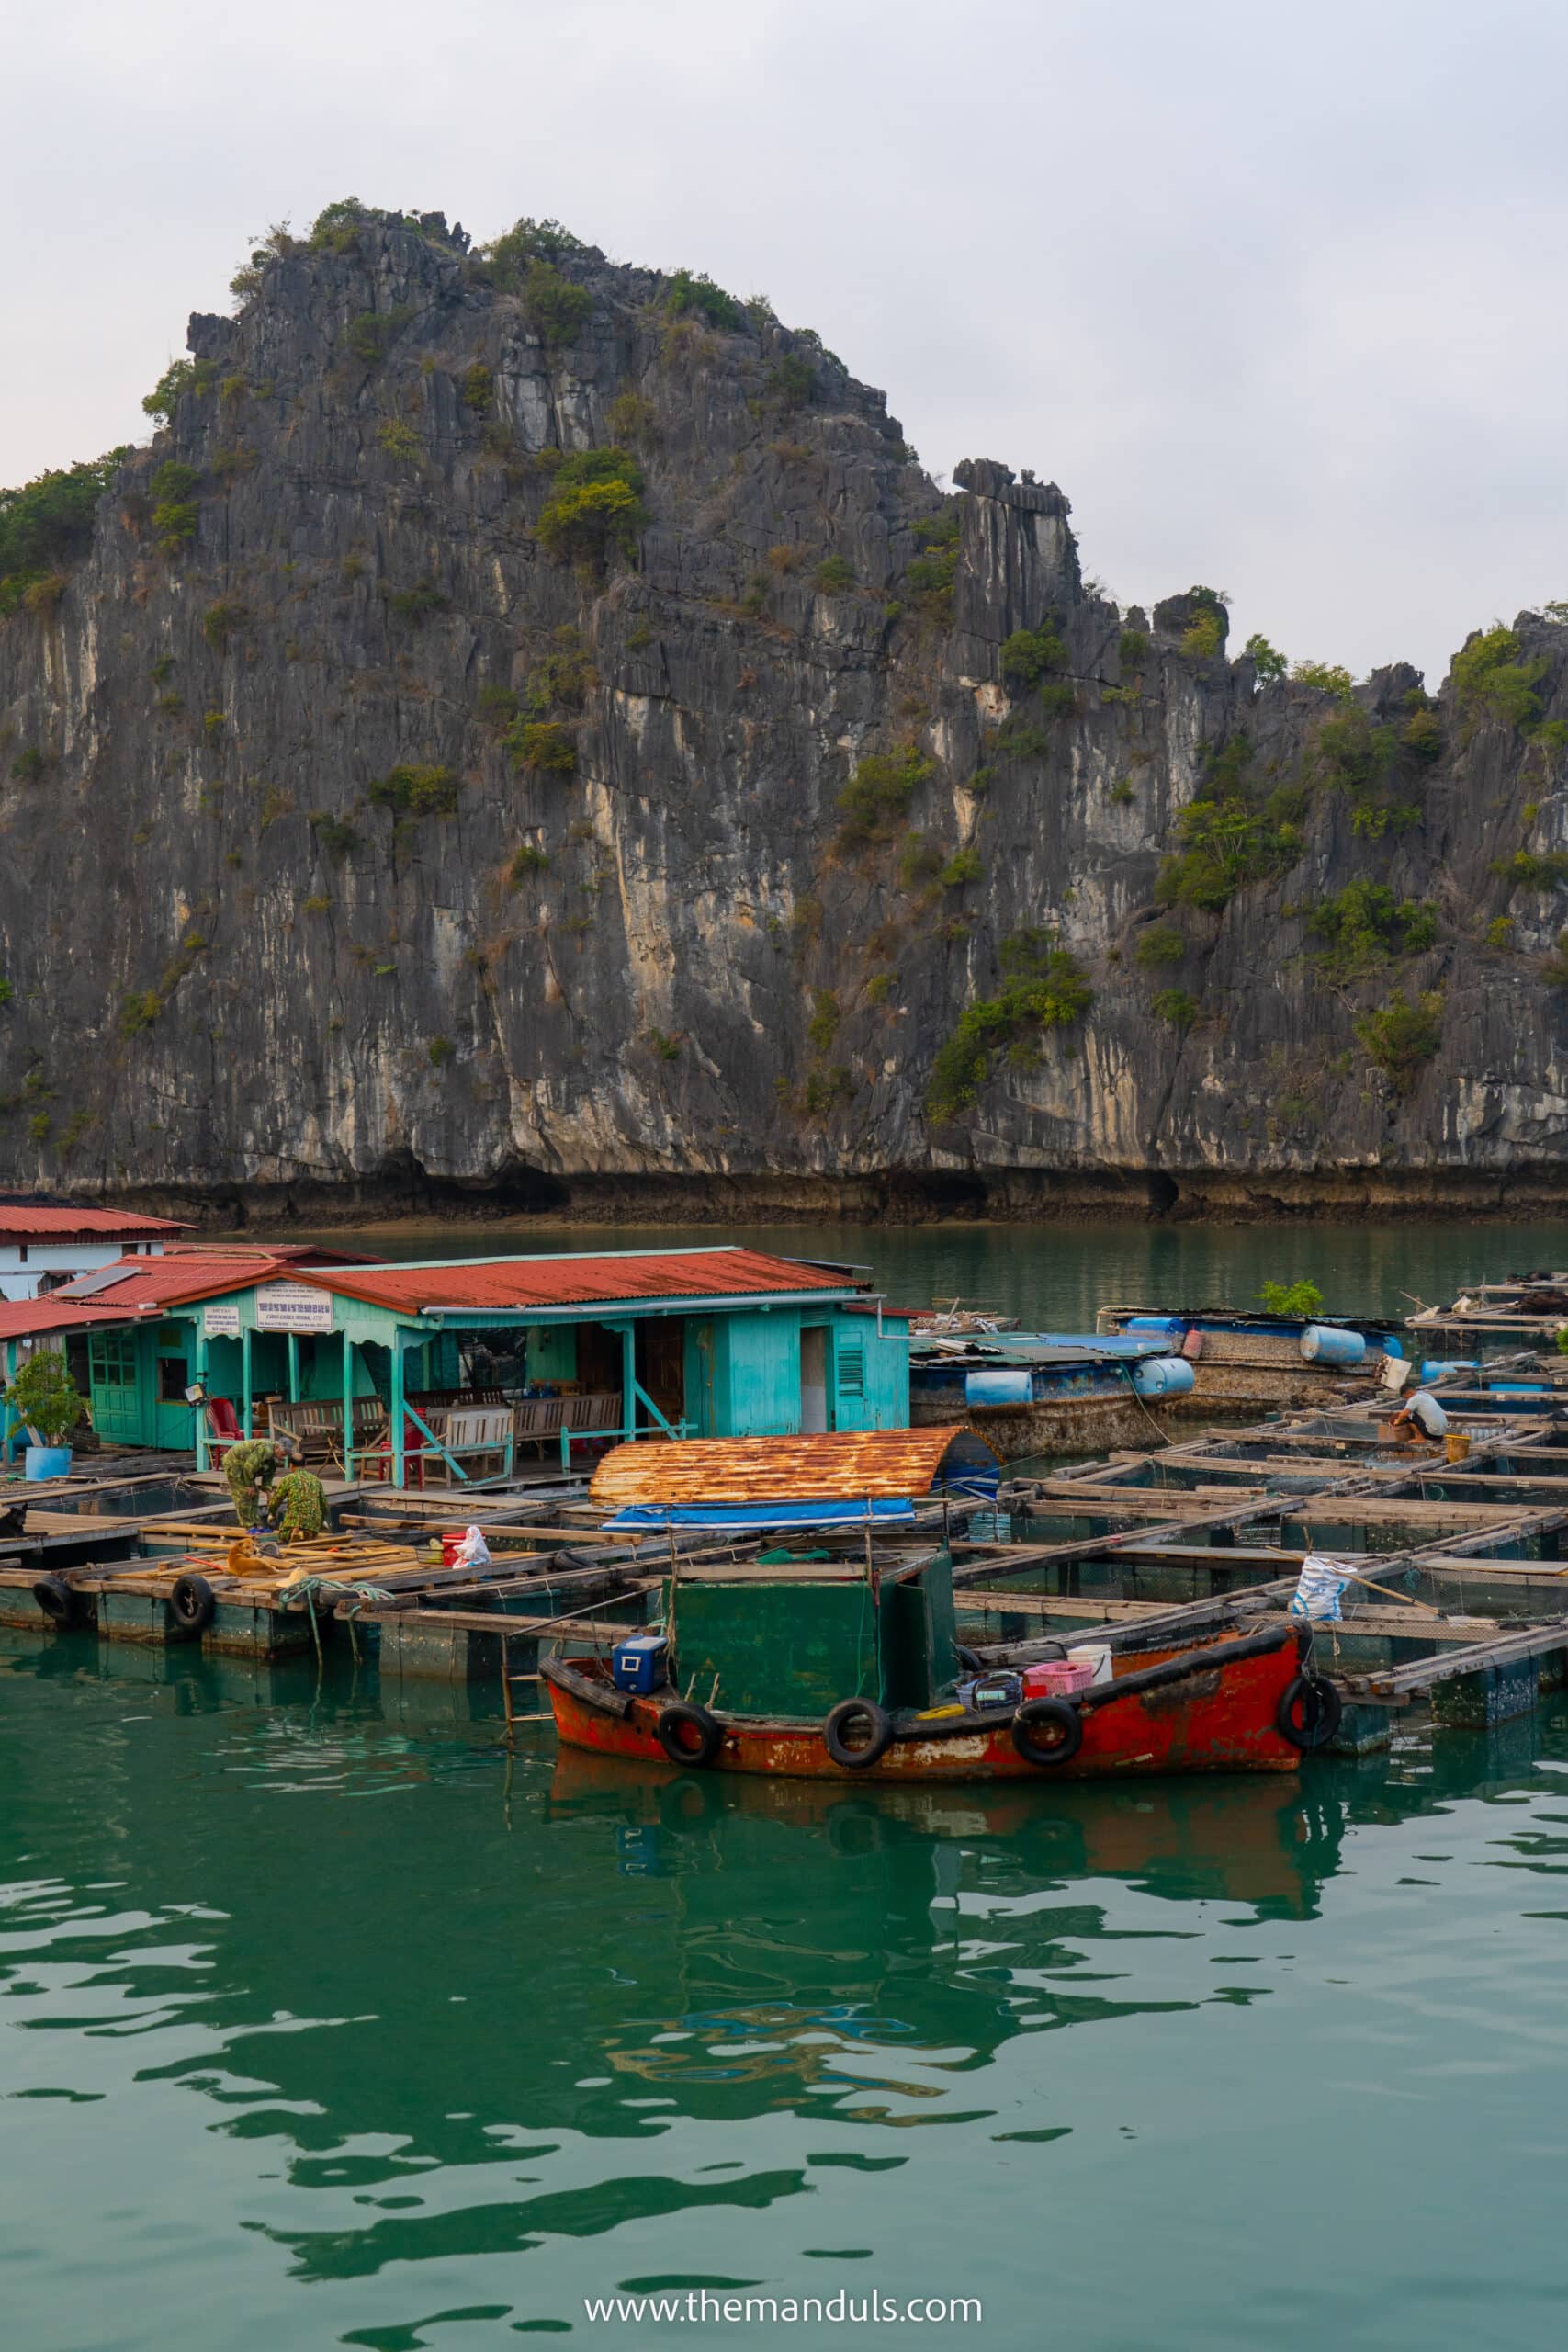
[600,2025]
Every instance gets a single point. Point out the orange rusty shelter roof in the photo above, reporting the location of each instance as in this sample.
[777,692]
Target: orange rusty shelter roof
[494,1285]
[174,1279]
[879,1465]
[24,1318]
[27,1222]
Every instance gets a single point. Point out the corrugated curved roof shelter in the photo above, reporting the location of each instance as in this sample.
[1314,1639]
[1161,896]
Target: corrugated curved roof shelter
[853,1466]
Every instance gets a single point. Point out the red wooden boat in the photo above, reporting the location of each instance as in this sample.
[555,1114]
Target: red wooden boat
[1238,1703]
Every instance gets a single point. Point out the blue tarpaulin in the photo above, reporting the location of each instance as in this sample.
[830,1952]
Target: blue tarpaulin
[757,1515]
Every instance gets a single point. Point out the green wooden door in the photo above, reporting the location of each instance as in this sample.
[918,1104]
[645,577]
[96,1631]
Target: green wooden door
[114,1386]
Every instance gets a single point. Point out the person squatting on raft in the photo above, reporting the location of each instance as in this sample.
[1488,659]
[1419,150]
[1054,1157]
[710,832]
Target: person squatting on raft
[1422,1419]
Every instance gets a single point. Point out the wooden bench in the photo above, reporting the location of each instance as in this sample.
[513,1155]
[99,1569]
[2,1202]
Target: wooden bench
[478,1439]
[540,1418]
[315,1424]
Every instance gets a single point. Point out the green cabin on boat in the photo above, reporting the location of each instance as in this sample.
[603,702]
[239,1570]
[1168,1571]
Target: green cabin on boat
[569,1350]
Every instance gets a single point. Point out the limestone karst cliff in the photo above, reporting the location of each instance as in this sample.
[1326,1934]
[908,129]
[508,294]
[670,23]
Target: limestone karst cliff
[527,732]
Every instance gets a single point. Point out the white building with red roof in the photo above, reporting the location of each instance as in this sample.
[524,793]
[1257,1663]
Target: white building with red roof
[42,1244]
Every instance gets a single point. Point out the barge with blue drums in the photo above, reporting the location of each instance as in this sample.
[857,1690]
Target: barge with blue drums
[1032,1393]
[1252,1361]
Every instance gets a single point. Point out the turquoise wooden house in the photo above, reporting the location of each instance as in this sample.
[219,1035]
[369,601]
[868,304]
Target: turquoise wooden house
[704,1343]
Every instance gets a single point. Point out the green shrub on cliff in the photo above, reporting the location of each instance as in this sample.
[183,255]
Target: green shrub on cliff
[929,580]
[1160,944]
[1267,665]
[1352,755]
[1533,869]
[1045,989]
[1490,681]
[877,798]
[1178,1006]
[553,305]
[1235,831]
[417,791]
[1324,678]
[1363,927]
[1026,656]
[594,508]
[543,746]
[49,524]
[691,293]
[173,508]
[1403,1037]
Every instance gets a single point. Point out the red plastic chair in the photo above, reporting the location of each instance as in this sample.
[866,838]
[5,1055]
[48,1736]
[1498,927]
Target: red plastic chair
[222,1427]
[376,1464]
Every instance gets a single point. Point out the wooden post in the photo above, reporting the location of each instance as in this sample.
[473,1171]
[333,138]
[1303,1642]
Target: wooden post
[245,1375]
[397,1399]
[202,1456]
[7,1417]
[628,1379]
[347,1406]
[294,1367]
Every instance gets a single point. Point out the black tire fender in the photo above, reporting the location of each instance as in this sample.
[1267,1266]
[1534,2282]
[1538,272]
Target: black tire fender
[1047,1731]
[879,1729]
[1309,1712]
[56,1600]
[194,1603]
[687,1733]
[967,1659]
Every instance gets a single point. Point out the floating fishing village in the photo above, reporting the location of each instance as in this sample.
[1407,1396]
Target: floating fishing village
[729,1511]
[783,1286]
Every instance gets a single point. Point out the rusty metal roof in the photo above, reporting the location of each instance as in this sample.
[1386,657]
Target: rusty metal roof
[879,1465]
[174,1279]
[494,1284]
[26,1319]
[83,1225]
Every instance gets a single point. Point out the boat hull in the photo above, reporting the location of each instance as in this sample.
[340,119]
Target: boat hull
[1220,1720]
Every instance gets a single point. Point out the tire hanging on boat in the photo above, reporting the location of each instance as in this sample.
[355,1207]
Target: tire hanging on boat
[1047,1731]
[56,1600]
[879,1732]
[687,1733]
[194,1603]
[1309,1711]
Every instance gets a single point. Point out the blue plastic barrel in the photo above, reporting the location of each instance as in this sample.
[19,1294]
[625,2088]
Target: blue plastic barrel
[1391,1347]
[1322,1343]
[1171,1324]
[1439,1367]
[1162,1376]
[1012,1386]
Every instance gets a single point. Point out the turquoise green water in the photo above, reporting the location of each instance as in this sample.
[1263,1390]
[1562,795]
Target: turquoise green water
[1054,1277]
[321,2024]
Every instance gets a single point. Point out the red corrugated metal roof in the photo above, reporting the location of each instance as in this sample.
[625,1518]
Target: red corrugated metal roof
[173,1280]
[884,1465]
[98,1225]
[23,1319]
[494,1283]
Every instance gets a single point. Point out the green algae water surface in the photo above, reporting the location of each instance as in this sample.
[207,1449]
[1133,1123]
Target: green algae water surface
[323,2023]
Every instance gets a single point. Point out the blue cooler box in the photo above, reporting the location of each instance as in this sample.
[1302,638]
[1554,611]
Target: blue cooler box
[638,1665]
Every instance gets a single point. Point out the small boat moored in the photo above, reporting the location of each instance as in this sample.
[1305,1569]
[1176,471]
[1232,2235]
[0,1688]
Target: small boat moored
[835,1652]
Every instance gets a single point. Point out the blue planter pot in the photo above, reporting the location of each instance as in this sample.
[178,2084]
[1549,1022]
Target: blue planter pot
[47,1461]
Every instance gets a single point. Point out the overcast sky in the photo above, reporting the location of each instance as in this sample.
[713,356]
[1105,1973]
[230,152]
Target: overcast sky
[1275,293]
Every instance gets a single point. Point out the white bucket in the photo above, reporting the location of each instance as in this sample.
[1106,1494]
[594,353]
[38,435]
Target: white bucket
[1096,1654]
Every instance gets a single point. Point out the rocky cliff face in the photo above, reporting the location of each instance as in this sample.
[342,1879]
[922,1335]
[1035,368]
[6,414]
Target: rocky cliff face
[400,807]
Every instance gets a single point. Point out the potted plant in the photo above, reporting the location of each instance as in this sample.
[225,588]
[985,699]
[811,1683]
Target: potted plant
[48,1403]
